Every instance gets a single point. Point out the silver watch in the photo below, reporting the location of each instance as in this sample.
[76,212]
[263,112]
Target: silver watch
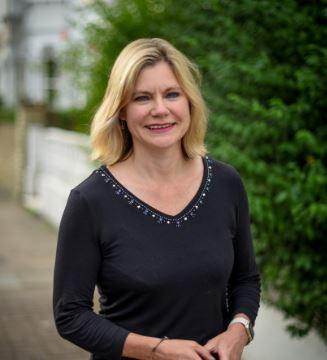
[247,324]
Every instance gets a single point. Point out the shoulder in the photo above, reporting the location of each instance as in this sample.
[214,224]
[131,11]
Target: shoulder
[91,187]
[224,171]
[227,179]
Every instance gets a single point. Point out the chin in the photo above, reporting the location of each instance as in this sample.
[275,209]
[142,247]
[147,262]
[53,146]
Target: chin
[165,144]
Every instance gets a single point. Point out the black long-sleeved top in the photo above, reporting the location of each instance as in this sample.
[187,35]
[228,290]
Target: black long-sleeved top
[182,276]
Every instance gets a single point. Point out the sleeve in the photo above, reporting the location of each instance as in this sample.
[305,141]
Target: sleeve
[244,287]
[78,260]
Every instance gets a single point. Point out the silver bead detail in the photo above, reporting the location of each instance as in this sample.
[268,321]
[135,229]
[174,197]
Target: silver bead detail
[146,211]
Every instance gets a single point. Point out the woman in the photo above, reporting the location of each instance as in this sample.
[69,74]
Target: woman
[161,228]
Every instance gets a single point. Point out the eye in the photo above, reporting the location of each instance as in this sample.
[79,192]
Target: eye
[173,94]
[141,98]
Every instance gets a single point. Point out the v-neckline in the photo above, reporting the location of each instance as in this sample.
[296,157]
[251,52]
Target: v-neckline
[147,209]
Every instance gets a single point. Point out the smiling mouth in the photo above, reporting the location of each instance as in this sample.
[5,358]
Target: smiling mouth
[159,126]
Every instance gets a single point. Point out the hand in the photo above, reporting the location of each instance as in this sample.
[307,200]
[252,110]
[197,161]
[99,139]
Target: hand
[172,349]
[229,345]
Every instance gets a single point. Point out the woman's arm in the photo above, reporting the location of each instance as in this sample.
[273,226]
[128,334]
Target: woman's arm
[77,265]
[244,284]
[243,292]
[141,347]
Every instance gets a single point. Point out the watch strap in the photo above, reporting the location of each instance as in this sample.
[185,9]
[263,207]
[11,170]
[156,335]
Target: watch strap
[246,323]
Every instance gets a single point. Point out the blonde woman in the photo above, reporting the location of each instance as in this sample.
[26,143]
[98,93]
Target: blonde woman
[161,228]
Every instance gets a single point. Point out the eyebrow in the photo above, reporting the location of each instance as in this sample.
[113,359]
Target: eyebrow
[148,92]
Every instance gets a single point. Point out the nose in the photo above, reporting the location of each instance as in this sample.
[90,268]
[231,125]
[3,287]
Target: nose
[159,108]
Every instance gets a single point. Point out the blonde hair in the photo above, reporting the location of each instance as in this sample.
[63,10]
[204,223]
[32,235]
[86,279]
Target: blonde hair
[111,144]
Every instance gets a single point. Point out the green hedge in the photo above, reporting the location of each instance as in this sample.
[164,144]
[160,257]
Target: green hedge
[264,78]
[7,115]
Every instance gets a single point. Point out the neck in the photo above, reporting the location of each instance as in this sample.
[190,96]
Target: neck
[160,167]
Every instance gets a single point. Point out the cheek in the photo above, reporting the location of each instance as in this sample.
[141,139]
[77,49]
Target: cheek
[135,113]
[186,112]
[187,107]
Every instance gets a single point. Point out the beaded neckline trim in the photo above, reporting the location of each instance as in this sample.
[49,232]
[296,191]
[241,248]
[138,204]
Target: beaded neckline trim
[177,220]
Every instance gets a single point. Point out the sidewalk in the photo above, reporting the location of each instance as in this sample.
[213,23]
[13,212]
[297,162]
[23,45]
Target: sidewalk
[27,249]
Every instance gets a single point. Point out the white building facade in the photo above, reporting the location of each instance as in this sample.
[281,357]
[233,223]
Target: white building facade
[33,33]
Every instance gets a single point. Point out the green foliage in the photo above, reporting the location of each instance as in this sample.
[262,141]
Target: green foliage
[72,119]
[263,65]
[7,115]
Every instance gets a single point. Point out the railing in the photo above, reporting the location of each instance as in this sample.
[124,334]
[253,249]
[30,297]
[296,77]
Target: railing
[56,161]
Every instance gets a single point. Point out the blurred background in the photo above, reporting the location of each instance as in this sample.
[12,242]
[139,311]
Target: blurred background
[264,79]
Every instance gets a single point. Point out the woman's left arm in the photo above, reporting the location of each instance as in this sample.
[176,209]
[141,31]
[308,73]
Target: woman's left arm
[243,291]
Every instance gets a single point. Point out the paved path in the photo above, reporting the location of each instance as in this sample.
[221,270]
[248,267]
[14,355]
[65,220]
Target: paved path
[27,249]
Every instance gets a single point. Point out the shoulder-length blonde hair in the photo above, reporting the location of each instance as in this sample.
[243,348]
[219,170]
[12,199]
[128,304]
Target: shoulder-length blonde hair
[110,143]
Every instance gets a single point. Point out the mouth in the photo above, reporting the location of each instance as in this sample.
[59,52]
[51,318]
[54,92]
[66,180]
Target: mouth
[160,127]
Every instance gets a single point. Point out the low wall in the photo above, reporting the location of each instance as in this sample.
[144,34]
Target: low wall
[7,172]
[57,160]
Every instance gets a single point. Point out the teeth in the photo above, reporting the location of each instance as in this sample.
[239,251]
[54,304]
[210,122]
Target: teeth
[159,126]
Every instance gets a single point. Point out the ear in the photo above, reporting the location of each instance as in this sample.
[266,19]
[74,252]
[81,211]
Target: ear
[122,114]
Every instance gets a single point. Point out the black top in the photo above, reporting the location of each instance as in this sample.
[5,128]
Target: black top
[182,276]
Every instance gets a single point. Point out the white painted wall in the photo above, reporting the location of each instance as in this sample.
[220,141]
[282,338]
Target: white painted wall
[7,66]
[272,342]
[57,160]
[45,23]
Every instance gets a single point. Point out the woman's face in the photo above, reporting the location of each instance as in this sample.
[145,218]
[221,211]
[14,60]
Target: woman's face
[158,114]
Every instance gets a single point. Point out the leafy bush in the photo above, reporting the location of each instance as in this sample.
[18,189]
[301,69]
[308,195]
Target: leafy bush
[263,66]
[7,115]
[74,119]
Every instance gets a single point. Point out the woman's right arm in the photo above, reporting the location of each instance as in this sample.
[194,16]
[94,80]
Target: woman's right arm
[140,347]
[77,265]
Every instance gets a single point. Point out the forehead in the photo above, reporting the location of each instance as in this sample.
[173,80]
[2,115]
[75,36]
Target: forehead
[153,76]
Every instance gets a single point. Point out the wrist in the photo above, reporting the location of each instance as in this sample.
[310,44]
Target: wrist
[139,347]
[243,321]
[156,346]
[239,330]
